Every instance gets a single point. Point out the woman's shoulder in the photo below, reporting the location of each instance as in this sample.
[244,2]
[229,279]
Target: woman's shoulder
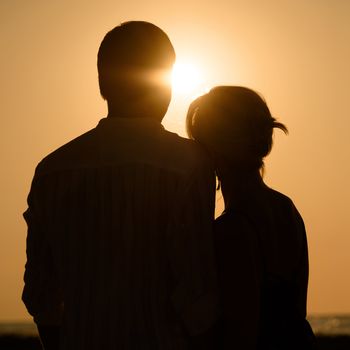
[232,227]
[235,241]
[286,222]
[282,203]
[278,197]
[227,220]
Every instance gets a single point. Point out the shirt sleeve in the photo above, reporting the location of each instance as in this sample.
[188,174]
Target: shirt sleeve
[195,297]
[42,293]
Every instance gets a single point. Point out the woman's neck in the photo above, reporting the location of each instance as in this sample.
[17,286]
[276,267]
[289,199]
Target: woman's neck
[237,186]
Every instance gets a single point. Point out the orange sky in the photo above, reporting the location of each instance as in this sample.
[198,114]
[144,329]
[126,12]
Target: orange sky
[295,52]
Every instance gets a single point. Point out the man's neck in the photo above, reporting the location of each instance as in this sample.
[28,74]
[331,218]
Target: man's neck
[134,110]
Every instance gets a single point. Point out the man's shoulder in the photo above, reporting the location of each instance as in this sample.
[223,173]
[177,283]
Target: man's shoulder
[185,151]
[173,151]
[71,154]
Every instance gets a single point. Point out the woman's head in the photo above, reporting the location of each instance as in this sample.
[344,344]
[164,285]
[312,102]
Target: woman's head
[234,124]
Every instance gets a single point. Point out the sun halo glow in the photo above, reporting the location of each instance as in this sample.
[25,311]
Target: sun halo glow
[186,79]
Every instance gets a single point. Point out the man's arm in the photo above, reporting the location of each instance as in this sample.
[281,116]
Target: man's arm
[41,293]
[49,336]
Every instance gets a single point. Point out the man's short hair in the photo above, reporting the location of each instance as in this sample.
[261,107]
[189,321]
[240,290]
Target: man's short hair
[129,51]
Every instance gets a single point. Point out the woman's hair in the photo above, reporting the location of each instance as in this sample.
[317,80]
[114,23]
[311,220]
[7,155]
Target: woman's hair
[235,124]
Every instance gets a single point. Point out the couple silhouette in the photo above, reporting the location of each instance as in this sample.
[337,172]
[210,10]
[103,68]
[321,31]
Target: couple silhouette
[122,248]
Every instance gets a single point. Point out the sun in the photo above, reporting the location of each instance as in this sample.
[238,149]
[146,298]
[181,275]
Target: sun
[186,79]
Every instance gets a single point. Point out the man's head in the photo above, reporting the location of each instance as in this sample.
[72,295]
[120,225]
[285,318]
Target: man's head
[133,62]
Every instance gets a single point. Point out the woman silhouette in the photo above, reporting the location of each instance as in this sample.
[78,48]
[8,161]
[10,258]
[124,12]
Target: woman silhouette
[260,238]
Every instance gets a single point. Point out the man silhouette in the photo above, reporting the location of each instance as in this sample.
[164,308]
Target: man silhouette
[119,246]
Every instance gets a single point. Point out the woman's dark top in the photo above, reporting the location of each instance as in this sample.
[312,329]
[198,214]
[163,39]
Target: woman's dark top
[262,257]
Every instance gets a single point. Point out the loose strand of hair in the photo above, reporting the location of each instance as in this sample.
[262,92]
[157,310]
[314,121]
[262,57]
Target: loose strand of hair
[281,126]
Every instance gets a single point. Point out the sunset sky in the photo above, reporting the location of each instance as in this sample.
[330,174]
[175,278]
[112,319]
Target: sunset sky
[295,52]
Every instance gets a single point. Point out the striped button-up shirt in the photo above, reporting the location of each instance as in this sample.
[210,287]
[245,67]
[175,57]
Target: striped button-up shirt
[119,245]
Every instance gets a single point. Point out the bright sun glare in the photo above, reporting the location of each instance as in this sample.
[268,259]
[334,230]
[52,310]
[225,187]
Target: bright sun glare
[186,79]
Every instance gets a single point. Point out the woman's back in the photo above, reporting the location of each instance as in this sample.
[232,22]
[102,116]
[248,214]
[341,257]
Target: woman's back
[262,258]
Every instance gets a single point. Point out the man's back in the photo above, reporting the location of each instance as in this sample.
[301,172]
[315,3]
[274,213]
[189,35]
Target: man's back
[121,220]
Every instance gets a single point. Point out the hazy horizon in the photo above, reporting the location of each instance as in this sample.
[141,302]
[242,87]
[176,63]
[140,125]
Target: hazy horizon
[296,53]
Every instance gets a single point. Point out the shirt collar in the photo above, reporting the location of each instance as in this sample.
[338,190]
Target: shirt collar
[132,124]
